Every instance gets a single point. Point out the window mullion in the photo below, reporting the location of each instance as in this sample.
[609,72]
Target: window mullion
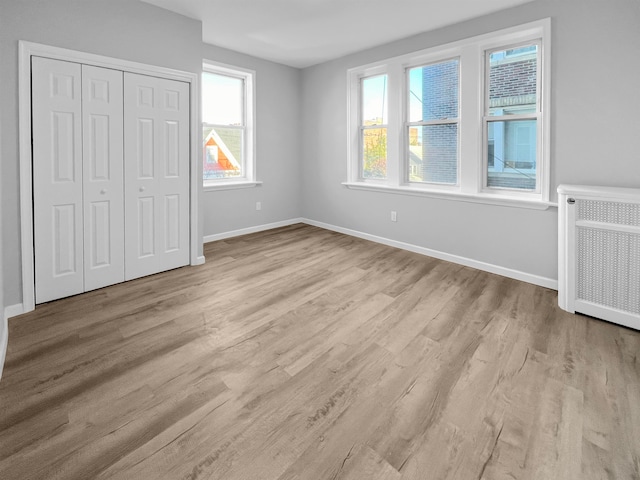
[447,121]
[230,127]
[470,126]
[520,116]
[395,134]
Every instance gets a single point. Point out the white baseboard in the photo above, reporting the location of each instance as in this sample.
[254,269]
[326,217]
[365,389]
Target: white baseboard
[257,228]
[200,260]
[13,310]
[467,262]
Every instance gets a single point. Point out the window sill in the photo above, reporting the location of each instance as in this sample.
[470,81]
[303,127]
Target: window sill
[230,185]
[487,199]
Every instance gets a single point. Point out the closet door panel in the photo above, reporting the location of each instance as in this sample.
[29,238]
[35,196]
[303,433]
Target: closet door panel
[102,119]
[156,174]
[146,246]
[57,178]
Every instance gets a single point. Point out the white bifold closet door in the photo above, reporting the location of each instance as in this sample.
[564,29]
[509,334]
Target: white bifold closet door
[110,176]
[103,194]
[56,98]
[156,125]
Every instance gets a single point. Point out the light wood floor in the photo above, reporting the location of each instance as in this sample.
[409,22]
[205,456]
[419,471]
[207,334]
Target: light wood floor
[305,354]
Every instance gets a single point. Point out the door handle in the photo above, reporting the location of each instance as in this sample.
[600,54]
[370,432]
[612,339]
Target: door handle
[141,189]
[103,191]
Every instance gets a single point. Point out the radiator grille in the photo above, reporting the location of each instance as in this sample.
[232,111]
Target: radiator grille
[599,252]
[608,261]
[609,212]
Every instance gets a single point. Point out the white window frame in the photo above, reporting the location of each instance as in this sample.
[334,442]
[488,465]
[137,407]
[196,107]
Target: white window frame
[472,148]
[248,178]
[376,72]
[541,166]
[408,123]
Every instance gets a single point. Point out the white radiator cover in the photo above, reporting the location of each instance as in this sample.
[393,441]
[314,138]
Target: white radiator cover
[599,252]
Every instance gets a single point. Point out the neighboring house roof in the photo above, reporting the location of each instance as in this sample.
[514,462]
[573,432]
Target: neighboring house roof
[225,141]
[206,131]
[232,138]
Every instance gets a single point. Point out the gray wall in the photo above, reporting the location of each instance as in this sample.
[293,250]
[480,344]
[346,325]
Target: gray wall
[301,124]
[278,150]
[595,137]
[125,29]
[136,31]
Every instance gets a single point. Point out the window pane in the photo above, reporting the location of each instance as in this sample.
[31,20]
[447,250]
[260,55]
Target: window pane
[222,104]
[433,92]
[374,153]
[512,154]
[222,99]
[374,100]
[433,154]
[223,152]
[513,81]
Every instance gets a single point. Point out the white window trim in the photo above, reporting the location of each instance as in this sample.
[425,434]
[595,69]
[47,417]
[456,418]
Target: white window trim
[541,112]
[472,156]
[423,62]
[355,140]
[248,178]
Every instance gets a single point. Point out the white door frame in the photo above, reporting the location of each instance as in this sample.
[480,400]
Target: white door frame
[29,49]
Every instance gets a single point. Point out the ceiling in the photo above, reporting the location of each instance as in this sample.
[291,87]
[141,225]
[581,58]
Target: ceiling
[301,33]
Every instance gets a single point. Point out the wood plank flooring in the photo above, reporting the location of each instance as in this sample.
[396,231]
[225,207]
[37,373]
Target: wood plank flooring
[303,354]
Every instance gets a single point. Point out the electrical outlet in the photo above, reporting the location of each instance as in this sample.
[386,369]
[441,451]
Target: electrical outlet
[258,205]
[394,216]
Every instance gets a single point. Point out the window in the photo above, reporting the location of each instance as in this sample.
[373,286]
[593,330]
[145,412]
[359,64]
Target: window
[227,126]
[511,117]
[373,128]
[466,120]
[433,123]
